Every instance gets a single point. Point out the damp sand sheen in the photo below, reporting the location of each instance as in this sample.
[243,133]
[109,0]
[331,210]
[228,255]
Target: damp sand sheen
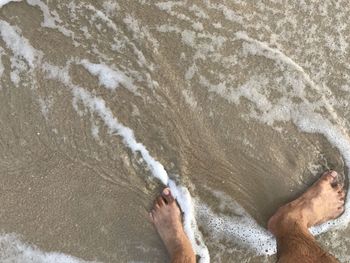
[238,107]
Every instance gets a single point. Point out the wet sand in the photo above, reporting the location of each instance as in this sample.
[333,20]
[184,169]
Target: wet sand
[222,113]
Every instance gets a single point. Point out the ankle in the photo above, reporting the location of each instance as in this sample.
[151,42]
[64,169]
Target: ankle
[285,222]
[180,245]
[183,253]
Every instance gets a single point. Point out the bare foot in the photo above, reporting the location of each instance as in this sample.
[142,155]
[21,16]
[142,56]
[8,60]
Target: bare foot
[323,201]
[166,217]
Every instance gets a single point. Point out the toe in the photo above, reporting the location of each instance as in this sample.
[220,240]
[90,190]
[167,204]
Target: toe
[168,196]
[325,182]
[156,206]
[341,194]
[339,188]
[160,201]
[333,173]
[341,209]
[334,179]
[328,177]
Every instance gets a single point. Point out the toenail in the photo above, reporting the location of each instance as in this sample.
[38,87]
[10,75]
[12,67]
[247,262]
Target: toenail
[166,191]
[334,173]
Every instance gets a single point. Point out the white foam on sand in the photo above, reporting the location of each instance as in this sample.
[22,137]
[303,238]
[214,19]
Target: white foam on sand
[237,226]
[24,55]
[98,106]
[305,116]
[51,19]
[111,7]
[243,229]
[104,17]
[12,249]
[108,77]
[20,46]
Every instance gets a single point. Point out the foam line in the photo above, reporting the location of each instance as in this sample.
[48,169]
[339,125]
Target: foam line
[259,47]
[98,106]
[13,249]
[50,20]
[103,17]
[20,46]
[108,77]
[186,204]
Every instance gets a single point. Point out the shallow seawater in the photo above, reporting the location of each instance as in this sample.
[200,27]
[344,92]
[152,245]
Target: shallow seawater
[241,104]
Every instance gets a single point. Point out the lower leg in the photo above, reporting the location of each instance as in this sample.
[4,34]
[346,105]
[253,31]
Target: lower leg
[296,244]
[320,203]
[166,217]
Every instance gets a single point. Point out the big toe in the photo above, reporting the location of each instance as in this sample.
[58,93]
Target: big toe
[332,177]
[167,195]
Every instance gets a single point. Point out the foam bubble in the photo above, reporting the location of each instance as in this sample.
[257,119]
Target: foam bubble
[189,98]
[108,77]
[99,14]
[110,7]
[51,19]
[20,46]
[245,230]
[24,55]
[188,37]
[197,26]
[95,131]
[167,6]
[198,11]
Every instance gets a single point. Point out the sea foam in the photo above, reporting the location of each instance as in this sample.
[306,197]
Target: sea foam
[51,20]
[13,249]
[304,117]
[24,55]
[108,77]
[243,229]
[20,46]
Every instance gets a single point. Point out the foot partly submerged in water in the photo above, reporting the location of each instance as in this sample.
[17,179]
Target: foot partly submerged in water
[166,217]
[323,201]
